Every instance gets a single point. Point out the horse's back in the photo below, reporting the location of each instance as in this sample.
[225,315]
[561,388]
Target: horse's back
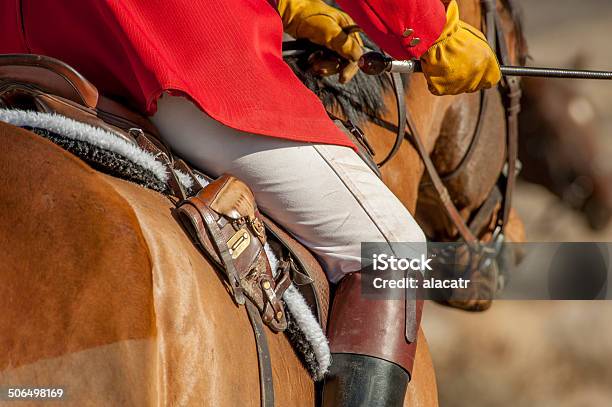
[206,307]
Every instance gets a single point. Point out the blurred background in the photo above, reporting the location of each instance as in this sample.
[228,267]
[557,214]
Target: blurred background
[546,353]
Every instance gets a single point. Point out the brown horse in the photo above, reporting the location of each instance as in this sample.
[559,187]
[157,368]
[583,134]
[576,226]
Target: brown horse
[104,295]
[559,148]
[98,301]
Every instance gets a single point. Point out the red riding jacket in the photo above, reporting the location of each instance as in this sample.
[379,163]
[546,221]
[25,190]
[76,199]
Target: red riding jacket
[225,55]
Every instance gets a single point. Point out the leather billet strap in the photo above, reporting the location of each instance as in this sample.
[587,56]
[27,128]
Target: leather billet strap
[179,164]
[162,156]
[266,384]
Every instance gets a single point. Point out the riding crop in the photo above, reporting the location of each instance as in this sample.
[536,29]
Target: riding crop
[376,63]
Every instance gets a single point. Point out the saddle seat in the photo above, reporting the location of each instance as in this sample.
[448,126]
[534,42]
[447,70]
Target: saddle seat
[45,84]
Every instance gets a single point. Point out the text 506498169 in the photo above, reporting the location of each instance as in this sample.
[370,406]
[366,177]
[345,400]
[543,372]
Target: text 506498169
[32,393]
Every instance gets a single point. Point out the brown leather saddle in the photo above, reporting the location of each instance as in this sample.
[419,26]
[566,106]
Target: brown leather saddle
[222,218]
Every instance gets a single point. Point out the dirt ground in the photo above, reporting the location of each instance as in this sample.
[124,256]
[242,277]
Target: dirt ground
[539,353]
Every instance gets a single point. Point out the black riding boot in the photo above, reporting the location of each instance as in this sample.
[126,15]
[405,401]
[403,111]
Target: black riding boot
[359,380]
[371,356]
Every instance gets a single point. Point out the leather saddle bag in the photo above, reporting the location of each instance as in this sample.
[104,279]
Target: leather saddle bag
[224,221]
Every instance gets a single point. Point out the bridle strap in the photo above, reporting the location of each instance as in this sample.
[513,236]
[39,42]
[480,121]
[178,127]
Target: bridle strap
[510,90]
[483,105]
[512,101]
[511,93]
[452,211]
[400,102]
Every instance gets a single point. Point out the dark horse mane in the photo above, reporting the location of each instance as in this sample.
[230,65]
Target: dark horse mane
[357,100]
[363,97]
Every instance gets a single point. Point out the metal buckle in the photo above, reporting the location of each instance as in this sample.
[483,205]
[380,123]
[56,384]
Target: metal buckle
[490,251]
[360,136]
[238,243]
[258,227]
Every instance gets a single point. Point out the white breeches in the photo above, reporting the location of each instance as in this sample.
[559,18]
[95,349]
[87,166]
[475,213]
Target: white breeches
[325,195]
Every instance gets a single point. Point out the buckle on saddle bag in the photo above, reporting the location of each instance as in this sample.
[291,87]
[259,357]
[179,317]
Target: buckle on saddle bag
[224,221]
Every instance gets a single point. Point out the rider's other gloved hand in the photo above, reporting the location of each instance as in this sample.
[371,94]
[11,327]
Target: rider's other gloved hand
[460,60]
[324,25]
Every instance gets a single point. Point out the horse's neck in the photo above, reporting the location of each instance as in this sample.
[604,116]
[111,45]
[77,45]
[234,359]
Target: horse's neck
[471,12]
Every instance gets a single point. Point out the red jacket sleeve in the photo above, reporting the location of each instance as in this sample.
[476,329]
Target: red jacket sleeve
[403,28]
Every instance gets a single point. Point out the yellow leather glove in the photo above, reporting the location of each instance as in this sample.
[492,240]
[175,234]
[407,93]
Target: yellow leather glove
[460,60]
[324,25]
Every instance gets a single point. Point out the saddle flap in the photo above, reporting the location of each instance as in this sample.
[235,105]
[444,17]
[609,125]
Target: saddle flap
[49,75]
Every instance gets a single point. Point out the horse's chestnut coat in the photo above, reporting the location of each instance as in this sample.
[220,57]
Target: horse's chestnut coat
[224,55]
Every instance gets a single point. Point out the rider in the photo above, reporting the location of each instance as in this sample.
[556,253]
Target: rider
[211,76]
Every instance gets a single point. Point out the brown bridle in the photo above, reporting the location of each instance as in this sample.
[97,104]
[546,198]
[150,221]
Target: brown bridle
[511,93]
[501,195]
